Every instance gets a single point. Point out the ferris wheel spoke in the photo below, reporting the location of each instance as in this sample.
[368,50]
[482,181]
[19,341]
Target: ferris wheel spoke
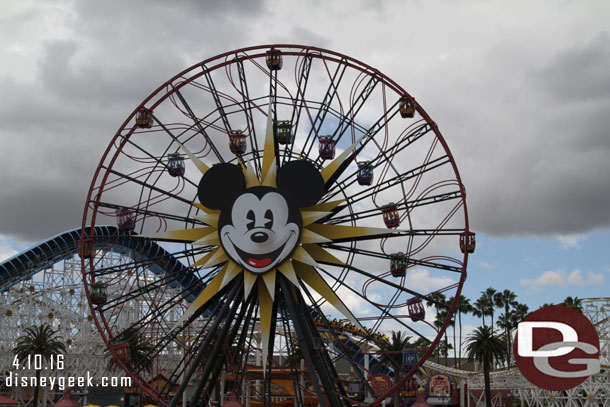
[198,124]
[347,119]
[229,355]
[216,357]
[309,337]
[367,136]
[409,205]
[385,157]
[248,110]
[273,113]
[395,180]
[217,101]
[221,315]
[316,124]
[298,102]
[384,312]
[150,187]
[410,261]
[336,339]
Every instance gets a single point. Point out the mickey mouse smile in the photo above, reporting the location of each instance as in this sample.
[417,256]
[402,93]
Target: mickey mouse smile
[260,230]
[258,260]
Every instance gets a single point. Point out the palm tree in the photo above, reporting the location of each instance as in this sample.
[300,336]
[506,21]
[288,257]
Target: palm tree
[575,303]
[489,293]
[481,308]
[506,299]
[463,307]
[485,346]
[39,340]
[139,350]
[391,356]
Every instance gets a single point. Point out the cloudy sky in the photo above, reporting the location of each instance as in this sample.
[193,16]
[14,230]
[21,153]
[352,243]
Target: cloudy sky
[520,90]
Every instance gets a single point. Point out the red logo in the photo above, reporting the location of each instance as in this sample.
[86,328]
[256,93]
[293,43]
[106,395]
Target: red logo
[556,348]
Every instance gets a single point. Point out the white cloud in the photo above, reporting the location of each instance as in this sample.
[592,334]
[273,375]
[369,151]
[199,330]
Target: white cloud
[486,265]
[571,241]
[6,251]
[561,278]
[421,281]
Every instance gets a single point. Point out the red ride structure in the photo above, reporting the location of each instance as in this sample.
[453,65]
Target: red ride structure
[315,123]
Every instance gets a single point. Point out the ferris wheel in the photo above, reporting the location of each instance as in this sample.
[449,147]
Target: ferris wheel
[297,194]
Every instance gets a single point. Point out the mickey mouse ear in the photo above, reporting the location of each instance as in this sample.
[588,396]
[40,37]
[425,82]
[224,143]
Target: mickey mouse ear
[301,183]
[221,185]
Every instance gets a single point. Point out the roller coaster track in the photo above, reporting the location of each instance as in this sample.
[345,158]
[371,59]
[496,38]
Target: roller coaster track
[26,264]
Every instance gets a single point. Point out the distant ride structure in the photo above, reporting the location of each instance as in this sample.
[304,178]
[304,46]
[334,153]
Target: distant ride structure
[225,157]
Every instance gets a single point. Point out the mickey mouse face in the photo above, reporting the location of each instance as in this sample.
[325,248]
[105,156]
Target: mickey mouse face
[260,230]
[260,227]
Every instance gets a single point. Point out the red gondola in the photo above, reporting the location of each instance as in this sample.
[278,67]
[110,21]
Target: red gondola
[398,266]
[416,309]
[144,118]
[98,293]
[125,220]
[406,107]
[390,215]
[467,242]
[365,173]
[123,351]
[175,165]
[237,142]
[284,132]
[327,147]
[274,59]
[85,248]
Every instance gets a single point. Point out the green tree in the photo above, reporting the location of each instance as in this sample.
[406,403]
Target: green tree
[463,307]
[506,299]
[486,347]
[575,303]
[480,308]
[489,294]
[391,356]
[39,340]
[139,349]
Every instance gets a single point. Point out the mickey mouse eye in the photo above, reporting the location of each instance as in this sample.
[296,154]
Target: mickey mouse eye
[251,220]
[269,219]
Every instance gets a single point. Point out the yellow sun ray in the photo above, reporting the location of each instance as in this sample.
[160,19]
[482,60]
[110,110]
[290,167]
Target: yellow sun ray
[302,256]
[216,256]
[323,207]
[307,236]
[249,280]
[210,240]
[251,178]
[210,219]
[321,255]
[312,216]
[198,163]
[266,310]
[208,292]
[269,147]
[233,270]
[183,235]
[287,270]
[335,232]
[331,168]
[315,281]
[270,179]
[269,279]
[205,208]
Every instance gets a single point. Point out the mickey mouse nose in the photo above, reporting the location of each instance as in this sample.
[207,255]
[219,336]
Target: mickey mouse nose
[259,237]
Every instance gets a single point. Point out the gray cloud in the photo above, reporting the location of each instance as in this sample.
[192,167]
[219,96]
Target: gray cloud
[522,102]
